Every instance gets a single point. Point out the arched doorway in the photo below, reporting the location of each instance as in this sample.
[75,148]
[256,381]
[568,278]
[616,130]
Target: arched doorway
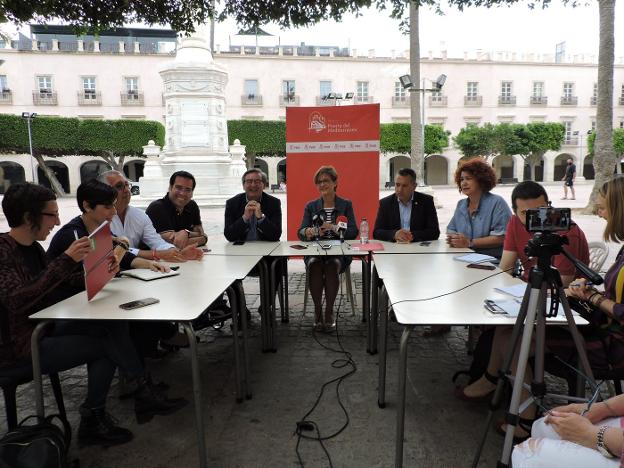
[10,173]
[59,170]
[436,170]
[281,171]
[92,169]
[134,169]
[538,175]
[503,165]
[560,166]
[396,164]
[588,167]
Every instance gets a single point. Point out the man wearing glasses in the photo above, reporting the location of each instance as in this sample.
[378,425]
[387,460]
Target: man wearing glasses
[253,214]
[176,216]
[134,224]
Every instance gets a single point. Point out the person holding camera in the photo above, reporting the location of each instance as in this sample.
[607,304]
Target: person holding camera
[570,435]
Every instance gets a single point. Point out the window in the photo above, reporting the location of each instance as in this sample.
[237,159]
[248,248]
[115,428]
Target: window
[593,126]
[622,93]
[288,90]
[132,85]
[361,91]
[567,125]
[506,89]
[472,89]
[44,84]
[88,85]
[538,89]
[250,89]
[436,96]
[4,84]
[325,87]
[595,92]
[620,124]
[399,91]
[568,90]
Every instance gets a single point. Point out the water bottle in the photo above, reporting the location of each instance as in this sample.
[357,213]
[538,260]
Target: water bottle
[364,231]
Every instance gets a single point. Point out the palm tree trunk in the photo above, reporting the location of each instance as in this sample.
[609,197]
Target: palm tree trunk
[417,156]
[57,188]
[604,156]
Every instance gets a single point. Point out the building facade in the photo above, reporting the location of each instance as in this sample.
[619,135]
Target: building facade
[116,76]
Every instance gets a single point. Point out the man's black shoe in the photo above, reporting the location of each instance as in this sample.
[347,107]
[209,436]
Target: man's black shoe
[97,427]
[150,401]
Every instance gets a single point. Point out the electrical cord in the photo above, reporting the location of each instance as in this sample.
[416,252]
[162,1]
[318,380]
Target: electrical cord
[307,425]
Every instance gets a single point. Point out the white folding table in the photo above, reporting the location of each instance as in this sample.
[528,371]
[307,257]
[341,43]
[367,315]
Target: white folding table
[421,289]
[182,299]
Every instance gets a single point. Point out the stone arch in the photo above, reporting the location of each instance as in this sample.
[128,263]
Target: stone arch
[503,165]
[262,165]
[10,173]
[560,165]
[133,170]
[397,163]
[61,172]
[539,170]
[281,171]
[436,170]
[91,169]
[588,167]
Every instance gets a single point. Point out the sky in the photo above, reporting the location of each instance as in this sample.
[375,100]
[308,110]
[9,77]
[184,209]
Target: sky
[515,28]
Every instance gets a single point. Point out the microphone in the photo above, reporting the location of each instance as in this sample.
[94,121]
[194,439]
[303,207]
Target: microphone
[317,221]
[341,222]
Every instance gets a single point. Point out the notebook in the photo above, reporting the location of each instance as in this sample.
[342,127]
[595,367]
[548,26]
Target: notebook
[96,263]
[475,258]
[147,275]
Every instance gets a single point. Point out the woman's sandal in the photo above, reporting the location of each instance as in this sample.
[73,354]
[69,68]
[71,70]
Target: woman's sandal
[459,391]
[523,423]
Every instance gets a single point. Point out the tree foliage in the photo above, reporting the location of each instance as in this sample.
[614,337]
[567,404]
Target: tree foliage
[618,142]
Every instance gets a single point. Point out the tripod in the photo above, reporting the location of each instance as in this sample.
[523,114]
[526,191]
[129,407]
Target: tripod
[533,311]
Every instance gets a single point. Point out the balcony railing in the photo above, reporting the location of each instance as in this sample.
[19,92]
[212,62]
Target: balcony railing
[473,101]
[438,101]
[44,98]
[621,101]
[571,141]
[288,100]
[400,101]
[506,100]
[132,98]
[593,100]
[89,98]
[251,100]
[325,101]
[539,100]
[569,100]
[6,97]
[357,98]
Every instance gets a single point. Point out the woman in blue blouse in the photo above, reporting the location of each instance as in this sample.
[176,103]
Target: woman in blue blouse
[480,220]
[319,222]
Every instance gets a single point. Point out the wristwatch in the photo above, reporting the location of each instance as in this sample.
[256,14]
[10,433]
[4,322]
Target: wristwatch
[600,443]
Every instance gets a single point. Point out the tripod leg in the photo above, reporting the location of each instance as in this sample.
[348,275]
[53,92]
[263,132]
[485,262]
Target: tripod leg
[538,388]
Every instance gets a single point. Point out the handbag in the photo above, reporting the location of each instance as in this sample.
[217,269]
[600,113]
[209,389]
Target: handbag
[40,445]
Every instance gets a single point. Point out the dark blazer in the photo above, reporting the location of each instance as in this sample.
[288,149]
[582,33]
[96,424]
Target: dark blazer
[423,220]
[236,228]
[342,207]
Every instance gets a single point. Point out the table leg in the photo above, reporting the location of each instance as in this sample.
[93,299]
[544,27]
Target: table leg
[265,303]
[400,427]
[236,311]
[381,398]
[286,315]
[199,419]
[36,367]
[366,284]
[238,286]
[374,313]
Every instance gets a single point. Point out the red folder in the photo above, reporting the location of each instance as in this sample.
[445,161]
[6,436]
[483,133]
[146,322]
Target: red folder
[96,263]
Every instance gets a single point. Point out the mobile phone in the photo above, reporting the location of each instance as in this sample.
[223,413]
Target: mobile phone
[140,303]
[238,242]
[298,246]
[205,249]
[175,268]
[481,266]
[425,243]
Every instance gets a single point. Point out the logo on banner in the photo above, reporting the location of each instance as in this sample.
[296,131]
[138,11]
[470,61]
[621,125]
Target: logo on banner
[317,122]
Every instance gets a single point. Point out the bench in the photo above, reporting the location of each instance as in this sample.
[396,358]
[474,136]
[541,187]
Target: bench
[389,185]
[275,187]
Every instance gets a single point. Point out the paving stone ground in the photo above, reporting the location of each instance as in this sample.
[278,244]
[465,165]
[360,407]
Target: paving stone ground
[441,431]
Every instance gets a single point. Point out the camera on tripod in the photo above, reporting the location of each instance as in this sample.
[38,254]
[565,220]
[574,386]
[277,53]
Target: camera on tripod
[548,219]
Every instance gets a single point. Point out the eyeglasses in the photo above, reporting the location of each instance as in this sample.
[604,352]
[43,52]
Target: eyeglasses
[254,181]
[323,181]
[181,189]
[121,185]
[52,215]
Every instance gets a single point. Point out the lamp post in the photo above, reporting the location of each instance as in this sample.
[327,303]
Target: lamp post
[29,116]
[337,97]
[407,83]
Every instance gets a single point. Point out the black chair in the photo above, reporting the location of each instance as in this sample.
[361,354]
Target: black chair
[12,377]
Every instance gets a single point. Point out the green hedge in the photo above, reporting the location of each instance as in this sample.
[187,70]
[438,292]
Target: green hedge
[56,136]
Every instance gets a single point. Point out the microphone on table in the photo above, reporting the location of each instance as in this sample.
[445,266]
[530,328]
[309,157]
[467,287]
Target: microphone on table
[317,221]
[341,222]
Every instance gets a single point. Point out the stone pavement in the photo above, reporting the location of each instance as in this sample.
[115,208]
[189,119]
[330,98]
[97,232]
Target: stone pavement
[441,431]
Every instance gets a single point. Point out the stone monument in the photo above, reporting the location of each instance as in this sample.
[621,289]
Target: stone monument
[196,137]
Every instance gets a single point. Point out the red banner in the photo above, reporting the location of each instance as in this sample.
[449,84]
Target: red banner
[346,137]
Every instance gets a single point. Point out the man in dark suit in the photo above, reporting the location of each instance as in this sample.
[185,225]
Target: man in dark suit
[406,216]
[253,214]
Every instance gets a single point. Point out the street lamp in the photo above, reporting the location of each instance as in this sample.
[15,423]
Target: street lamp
[408,84]
[581,160]
[29,116]
[337,97]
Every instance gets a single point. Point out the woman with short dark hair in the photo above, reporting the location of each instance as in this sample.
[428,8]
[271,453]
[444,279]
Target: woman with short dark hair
[319,222]
[479,221]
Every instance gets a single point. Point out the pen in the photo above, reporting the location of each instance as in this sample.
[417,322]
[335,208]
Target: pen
[589,283]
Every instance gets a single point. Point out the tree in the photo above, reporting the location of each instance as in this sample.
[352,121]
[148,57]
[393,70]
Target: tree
[541,137]
[436,139]
[474,140]
[618,143]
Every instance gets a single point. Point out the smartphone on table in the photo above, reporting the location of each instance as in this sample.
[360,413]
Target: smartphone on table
[140,303]
[481,266]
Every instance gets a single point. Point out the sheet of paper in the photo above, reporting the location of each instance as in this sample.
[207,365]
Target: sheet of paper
[475,258]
